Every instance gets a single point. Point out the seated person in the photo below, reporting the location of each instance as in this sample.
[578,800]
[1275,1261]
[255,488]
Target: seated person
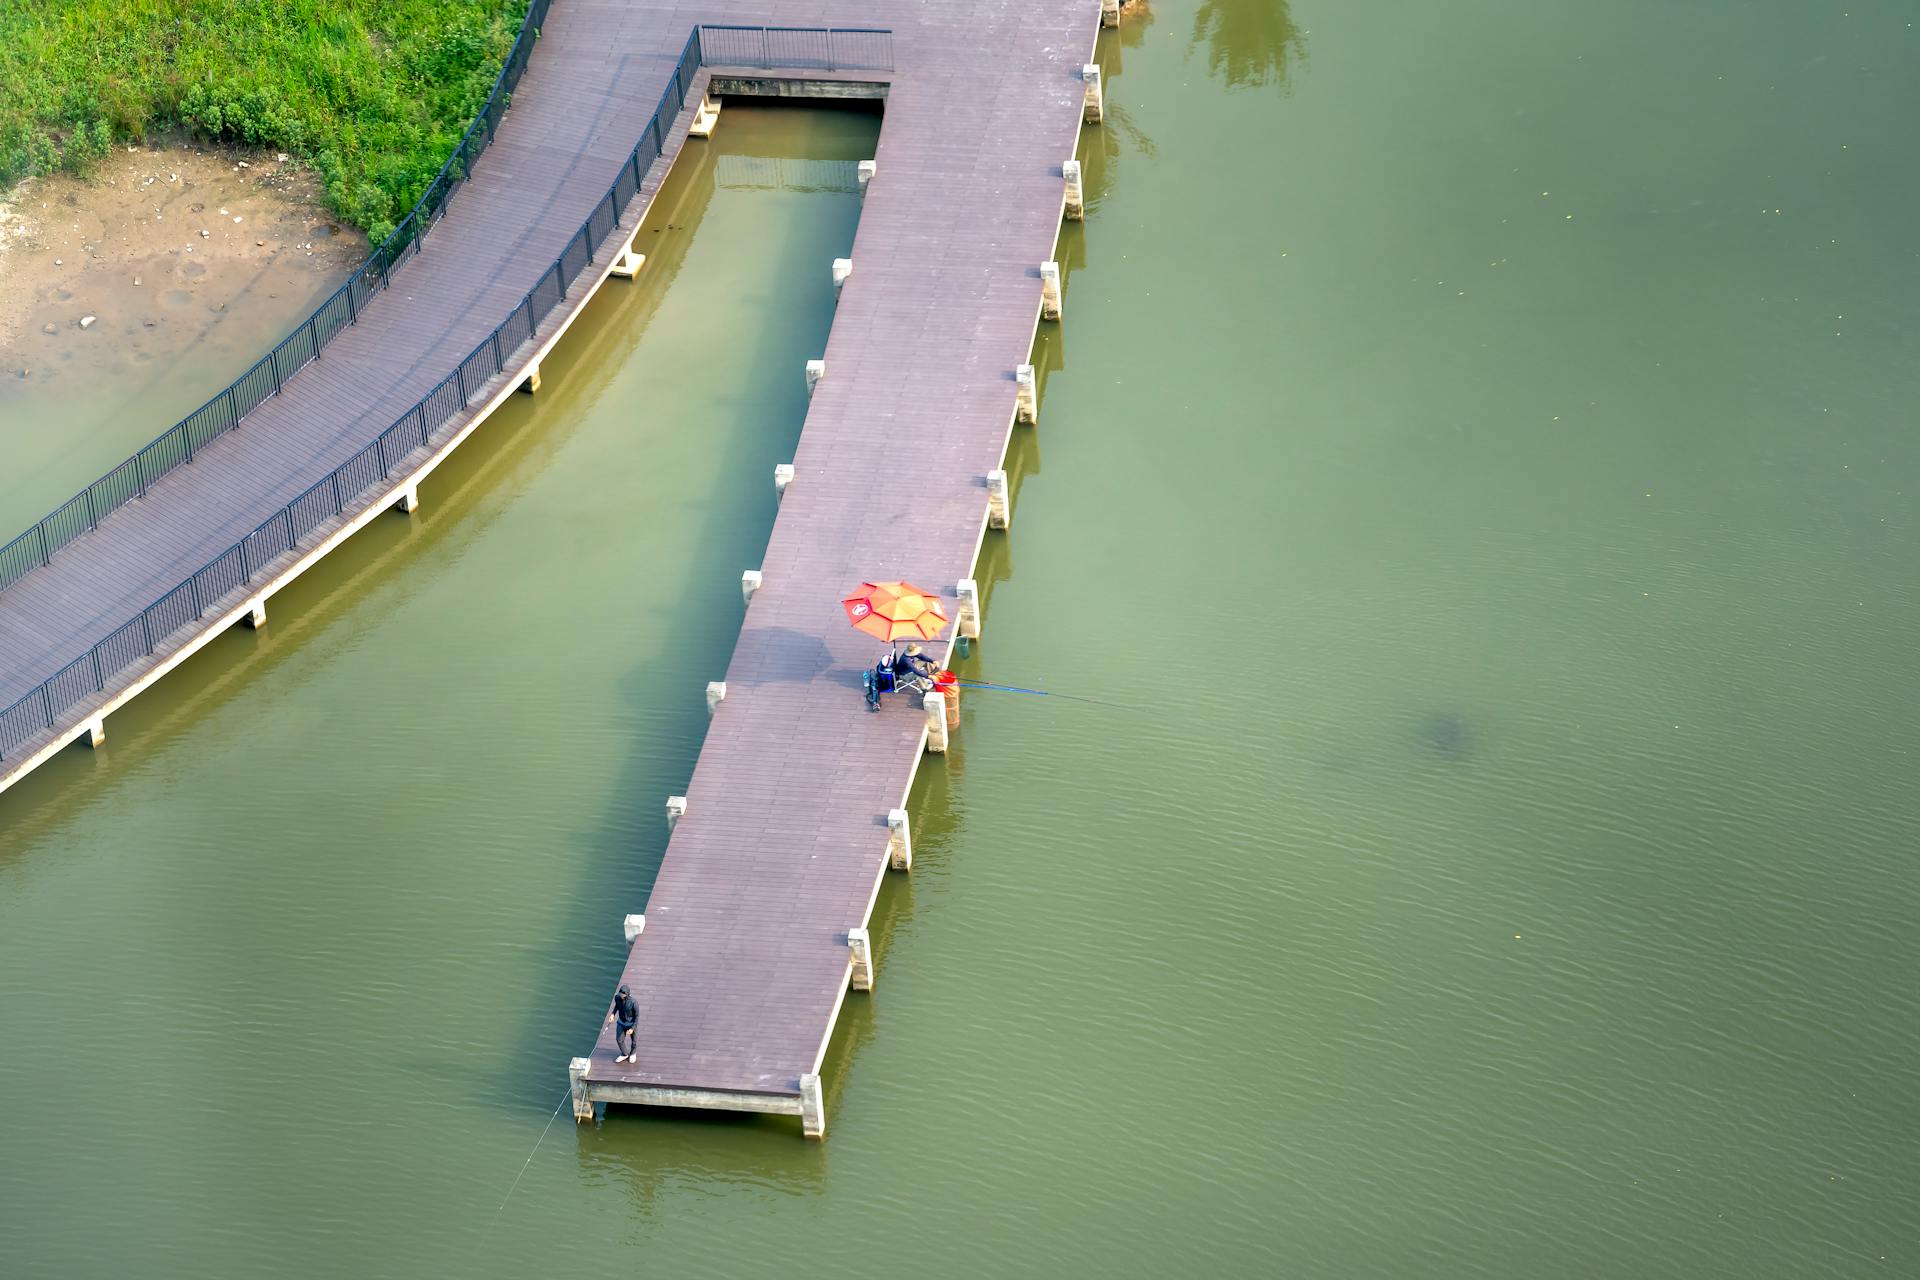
[914,665]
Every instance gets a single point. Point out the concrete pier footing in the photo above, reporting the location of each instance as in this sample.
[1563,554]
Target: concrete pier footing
[782,477]
[256,614]
[1109,13]
[97,732]
[531,383]
[842,268]
[999,509]
[813,1107]
[968,623]
[1050,300]
[409,500]
[632,926]
[1076,191]
[1026,404]
[865,171]
[705,117]
[676,810]
[716,694]
[749,583]
[1094,108]
[899,841]
[860,950]
[627,265]
[577,1084]
[816,370]
[936,707]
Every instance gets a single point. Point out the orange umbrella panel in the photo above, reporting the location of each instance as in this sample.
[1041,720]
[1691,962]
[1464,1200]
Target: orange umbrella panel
[893,611]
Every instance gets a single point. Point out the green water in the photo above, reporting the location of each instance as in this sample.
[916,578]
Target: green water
[1500,520]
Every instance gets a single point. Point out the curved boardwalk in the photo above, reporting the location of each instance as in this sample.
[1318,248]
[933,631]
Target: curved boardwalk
[755,920]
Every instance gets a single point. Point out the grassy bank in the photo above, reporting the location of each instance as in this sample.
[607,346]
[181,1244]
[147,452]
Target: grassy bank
[374,93]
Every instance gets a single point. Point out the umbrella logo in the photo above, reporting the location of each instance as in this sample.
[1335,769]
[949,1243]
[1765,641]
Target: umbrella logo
[861,610]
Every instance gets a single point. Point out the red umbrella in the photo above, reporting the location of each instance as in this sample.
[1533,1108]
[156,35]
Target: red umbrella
[894,611]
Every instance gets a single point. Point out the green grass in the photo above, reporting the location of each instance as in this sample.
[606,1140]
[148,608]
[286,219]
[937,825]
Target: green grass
[373,93]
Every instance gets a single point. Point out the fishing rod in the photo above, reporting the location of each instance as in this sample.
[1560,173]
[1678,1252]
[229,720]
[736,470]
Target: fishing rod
[1041,693]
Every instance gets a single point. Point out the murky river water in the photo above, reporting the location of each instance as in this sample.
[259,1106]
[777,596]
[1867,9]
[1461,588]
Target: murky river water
[1479,455]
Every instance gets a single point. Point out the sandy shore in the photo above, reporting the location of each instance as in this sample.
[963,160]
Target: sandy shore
[155,253]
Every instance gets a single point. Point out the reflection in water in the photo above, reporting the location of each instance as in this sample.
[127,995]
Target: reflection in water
[1250,43]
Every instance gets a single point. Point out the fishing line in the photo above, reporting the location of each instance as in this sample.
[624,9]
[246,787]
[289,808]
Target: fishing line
[1044,693]
[530,1155]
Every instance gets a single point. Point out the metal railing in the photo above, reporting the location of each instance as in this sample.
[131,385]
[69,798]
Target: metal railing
[798,48]
[226,580]
[36,547]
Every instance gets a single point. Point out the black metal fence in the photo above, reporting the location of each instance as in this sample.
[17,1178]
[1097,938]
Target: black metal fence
[798,48]
[225,581]
[34,548]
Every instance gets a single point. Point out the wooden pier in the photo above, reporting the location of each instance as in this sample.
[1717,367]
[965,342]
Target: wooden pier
[757,924]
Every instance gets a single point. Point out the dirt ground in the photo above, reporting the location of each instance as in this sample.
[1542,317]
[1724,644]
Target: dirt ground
[151,254]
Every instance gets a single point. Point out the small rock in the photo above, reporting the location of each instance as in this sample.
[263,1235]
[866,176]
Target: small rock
[259,244]
[24,371]
[282,157]
[205,234]
[59,262]
[136,282]
[223,213]
[49,327]
[243,164]
[86,321]
[236,217]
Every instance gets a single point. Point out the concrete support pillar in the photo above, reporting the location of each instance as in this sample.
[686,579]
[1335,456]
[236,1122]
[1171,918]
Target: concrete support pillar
[1094,108]
[1050,301]
[813,1108]
[409,500]
[749,583]
[899,841]
[1076,192]
[97,732]
[936,707]
[816,370]
[628,264]
[632,927]
[1026,402]
[999,510]
[257,613]
[782,477]
[532,382]
[716,694]
[842,268]
[676,810]
[577,1084]
[968,623]
[865,172]
[860,948]
[705,117]
[1109,13]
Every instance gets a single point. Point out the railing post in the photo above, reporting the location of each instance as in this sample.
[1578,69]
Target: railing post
[380,450]
[233,414]
[99,682]
[93,520]
[287,511]
[246,568]
[353,312]
[140,471]
[313,334]
[499,366]
[193,585]
[766,51]
[45,555]
[46,703]
[335,477]
[146,627]
[273,363]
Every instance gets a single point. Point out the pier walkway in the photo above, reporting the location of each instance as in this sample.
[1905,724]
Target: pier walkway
[756,926]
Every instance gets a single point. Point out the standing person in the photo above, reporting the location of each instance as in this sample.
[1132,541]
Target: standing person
[623,1016]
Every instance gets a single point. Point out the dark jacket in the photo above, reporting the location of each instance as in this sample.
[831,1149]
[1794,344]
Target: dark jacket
[625,1011]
